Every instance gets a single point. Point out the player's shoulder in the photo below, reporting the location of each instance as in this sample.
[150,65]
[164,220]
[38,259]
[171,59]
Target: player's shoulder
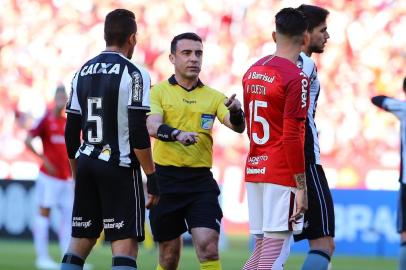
[306,64]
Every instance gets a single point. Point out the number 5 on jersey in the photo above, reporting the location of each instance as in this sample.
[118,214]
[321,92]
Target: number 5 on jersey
[253,107]
[94,135]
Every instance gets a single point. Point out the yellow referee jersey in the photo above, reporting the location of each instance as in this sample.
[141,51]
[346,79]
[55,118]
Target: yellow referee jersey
[192,111]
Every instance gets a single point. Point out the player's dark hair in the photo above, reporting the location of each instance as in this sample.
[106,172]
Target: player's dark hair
[290,22]
[119,25]
[187,35]
[315,15]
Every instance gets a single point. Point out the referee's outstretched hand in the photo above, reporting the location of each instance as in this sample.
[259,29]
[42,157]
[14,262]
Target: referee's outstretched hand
[187,138]
[232,104]
[151,201]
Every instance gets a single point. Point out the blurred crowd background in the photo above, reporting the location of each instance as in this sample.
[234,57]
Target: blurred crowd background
[43,42]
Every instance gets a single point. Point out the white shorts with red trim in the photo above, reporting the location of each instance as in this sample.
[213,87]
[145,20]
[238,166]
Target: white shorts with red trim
[270,206]
[53,192]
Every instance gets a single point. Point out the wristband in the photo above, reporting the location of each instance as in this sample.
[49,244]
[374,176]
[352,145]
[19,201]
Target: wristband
[237,118]
[164,133]
[152,185]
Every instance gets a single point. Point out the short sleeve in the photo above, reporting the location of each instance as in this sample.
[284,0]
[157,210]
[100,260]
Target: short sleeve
[222,110]
[140,84]
[297,102]
[73,105]
[155,101]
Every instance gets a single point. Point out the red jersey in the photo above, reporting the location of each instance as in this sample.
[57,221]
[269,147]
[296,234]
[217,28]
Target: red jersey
[276,103]
[51,130]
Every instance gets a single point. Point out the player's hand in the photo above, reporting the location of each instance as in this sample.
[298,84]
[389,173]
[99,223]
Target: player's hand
[301,205]
[232,104]
[187,138]
[151,201]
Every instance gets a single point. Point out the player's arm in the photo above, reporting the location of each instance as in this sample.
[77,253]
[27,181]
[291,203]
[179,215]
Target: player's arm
[141,144]
[378,101]
[138,106]
[37,132]
[234,119]
[72,139]
[293,137]
[295,112]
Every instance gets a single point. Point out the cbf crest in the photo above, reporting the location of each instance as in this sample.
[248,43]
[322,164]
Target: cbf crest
[136,87]
[207,121]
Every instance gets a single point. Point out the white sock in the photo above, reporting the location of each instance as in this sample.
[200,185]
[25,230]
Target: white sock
[64,232]
[40,233]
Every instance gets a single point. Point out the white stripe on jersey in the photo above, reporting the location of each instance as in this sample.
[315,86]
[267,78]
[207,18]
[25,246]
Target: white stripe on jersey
[122,117]
[309,68]
[73,103]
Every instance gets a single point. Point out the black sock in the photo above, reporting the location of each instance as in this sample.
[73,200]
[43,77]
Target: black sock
[124,261]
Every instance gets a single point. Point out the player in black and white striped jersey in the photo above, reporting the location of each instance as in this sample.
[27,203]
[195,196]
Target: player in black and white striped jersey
[108,104]
[319,225]
[398,108]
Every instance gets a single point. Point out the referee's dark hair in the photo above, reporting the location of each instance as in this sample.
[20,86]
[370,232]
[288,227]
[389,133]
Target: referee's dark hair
[315,15]
[290,22]
[118,26]
[187,35]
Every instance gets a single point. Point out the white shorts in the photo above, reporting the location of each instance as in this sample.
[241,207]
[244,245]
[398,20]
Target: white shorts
[53,192]
[270,207]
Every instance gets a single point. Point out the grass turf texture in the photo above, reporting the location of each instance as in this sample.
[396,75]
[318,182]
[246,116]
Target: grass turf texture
[19,254]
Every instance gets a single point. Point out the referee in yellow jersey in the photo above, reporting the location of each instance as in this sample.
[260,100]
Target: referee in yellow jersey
[183,111]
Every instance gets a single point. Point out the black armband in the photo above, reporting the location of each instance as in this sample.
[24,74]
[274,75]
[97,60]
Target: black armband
[152,184]
[237,118]
[164,133]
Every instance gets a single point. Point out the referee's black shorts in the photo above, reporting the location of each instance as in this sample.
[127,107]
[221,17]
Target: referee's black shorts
[108,197]
[401,216]
[196,206]
[319,218]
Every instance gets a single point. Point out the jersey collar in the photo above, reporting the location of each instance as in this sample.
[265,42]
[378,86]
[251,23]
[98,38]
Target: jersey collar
[172,80]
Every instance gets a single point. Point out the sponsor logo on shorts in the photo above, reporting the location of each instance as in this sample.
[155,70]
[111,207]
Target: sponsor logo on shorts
[78,222]
[257,159]
[109,223]
[256,170]
[306,225]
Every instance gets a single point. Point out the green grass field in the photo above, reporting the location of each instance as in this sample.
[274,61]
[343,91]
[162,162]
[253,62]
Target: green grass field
[20,255]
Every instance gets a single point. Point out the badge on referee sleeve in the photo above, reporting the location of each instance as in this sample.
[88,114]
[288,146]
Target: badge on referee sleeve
[207,121]
[137,87]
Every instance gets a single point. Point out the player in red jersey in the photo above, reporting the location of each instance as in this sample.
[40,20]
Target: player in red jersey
[276,103]
[54,185]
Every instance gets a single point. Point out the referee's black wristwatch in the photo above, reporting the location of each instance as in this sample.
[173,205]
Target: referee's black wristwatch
[175,133]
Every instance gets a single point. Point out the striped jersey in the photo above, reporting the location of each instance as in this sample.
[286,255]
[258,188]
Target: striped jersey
[398,108]
[312,148]
[103,91]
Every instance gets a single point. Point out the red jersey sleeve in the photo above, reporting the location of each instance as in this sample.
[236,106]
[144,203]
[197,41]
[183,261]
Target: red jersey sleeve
[297,103]
[293,147]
